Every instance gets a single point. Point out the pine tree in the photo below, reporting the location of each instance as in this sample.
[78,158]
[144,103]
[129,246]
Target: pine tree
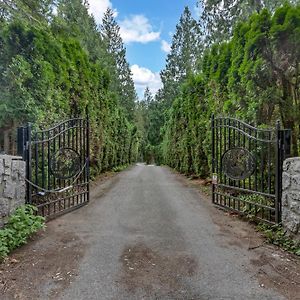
[181,62]
[37,11]
[218,18]
[148,97]
[74,20]
[120,71]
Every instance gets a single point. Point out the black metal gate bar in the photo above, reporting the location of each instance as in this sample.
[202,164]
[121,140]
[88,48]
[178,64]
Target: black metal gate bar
[247,167]
[57,165]
[278,165]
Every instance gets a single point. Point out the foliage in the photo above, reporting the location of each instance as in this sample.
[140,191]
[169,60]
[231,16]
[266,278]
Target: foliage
[186,49]
[149,120]
[251,211]
[276,235]
[185,131]
[119,168]
[21,225]
[219,17]
[54,65]
[120,72]
[254,76]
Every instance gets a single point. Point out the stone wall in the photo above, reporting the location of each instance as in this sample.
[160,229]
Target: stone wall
[12,185]
[291,196]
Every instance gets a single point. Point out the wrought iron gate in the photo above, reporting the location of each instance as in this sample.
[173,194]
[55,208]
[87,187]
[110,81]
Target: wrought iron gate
[247,167]
[57,165]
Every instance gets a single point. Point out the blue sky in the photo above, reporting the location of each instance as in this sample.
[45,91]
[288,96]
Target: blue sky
[147,27]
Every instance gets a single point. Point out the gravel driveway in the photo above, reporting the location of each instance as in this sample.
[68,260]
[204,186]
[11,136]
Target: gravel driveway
[147,234]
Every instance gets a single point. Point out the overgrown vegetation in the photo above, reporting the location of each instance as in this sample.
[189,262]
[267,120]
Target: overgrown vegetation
[249,207]
[276,235]
[20,226]
[249,71]
[119,168]
[53,65]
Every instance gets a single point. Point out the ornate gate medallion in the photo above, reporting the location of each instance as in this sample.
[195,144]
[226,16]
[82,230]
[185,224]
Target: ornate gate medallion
[65,163]
[238,163]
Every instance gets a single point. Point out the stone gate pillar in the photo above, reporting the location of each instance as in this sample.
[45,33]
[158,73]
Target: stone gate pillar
[291,196]
[12,185]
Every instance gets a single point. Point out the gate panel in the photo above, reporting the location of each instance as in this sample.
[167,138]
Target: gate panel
[57,166]
[246,164]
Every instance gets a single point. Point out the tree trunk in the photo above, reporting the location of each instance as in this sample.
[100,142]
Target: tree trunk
[6,141]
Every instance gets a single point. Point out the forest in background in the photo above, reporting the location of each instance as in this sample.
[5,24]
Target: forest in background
[54,62]
[241,60]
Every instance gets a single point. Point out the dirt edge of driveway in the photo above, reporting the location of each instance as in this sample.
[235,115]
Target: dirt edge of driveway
[273,267]
[49,262]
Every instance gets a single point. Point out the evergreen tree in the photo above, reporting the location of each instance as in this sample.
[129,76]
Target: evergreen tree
[74,20]
[253,77]
[181,62]
[148,97]
[53,67]
[219,17]
[37,11]
[120,71]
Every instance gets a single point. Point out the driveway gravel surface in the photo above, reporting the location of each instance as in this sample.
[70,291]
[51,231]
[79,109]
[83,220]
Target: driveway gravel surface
[148,234]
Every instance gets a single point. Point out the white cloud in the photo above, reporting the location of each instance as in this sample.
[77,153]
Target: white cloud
[198,10]
[138,29]
[165,46]
[143,78]
[98,7]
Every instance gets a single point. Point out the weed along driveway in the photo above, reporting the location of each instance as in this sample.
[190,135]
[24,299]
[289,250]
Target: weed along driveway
[148,234]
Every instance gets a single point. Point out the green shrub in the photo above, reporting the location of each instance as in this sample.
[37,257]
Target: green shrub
[276,235]
[249,208]
[21,225]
